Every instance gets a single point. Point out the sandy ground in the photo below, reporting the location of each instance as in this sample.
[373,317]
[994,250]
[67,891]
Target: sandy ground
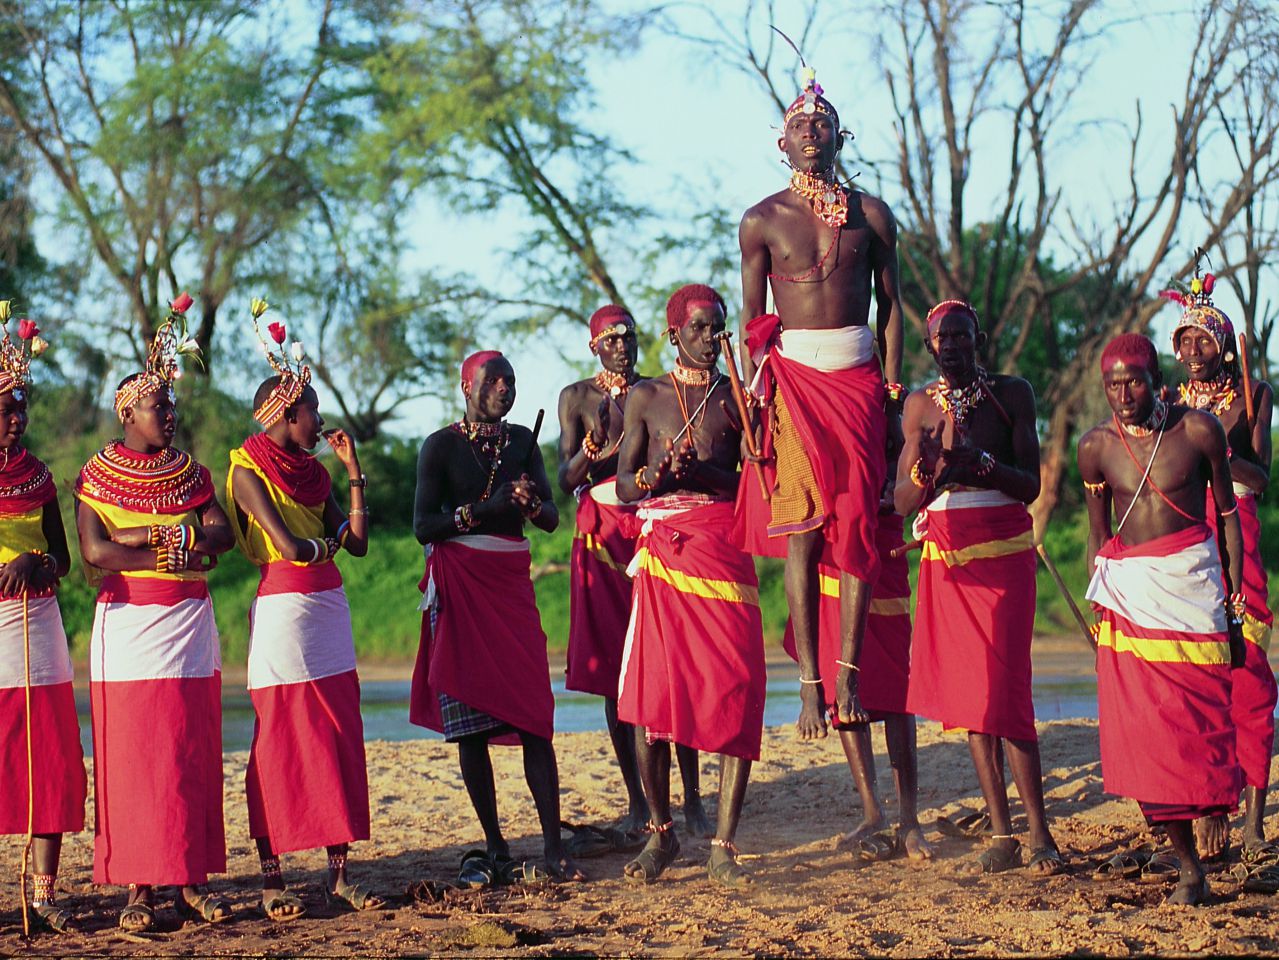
[810,898]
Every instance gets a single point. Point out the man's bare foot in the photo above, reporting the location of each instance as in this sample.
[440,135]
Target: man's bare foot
[913,842]
[561,867]
[1191,891]
[811,724]
[695,819]
[848,708]
[1212,837]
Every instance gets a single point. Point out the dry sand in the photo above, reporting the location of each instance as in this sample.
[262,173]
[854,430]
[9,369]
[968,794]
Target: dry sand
[810,898]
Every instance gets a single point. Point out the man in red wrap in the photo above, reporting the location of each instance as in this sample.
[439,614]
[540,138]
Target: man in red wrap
[885,665]
[591,413]
[693,669]
[1204,342]
[970,465]
[150,530]
[1169,621]
[482,673]
[824,249]
[306,783]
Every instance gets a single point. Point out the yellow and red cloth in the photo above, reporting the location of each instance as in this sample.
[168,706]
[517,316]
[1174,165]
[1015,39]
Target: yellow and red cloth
[693,668]
[974,614]
[155,685]
[1163,674]
[884,664]
[307,782]
[482,641]
[59,780]
[599,589]
[825,435]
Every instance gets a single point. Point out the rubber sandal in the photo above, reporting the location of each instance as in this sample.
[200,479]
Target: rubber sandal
[477,870]
[994,859]
[1125,865]
[588,840]
[512,872]
[1257,877]
[729,873]
[878,847]
[428,891]
[1190,894]
[652,861]
[204,907]
[354,895]
[1046,862]
[1267,852]
[143,911]
[970,826]
[1163,867]
[278,899]
[53,917]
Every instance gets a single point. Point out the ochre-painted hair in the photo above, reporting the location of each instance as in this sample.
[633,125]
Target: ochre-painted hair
[1132,349]
[687,299]
[472,364]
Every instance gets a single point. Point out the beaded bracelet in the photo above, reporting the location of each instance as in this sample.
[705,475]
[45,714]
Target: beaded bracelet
[919,476]
[894,391]
[985,464]
[641,482]
[850,666]
[590,449]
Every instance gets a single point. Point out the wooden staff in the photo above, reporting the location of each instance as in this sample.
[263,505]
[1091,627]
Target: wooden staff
[31,780]
[1247,383]
[537,425]
[905,548]
[743,411]
[1070,601]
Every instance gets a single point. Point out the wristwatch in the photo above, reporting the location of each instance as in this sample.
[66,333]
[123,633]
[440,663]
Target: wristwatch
[361,483]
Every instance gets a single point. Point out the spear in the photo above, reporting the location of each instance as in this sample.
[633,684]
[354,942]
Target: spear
[1247,381]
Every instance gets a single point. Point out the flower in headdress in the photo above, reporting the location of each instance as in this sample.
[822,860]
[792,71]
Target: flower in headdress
[189,347]
[183,303]
[277,332]
[1209,282]
[38,346]
[258,306]
[27,329]
[298,351]
[5,307]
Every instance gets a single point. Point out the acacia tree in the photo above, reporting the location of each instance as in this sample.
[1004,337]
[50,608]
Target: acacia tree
[178,134]
[979,84]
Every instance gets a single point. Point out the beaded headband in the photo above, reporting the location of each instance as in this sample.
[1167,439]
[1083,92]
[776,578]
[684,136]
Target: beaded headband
[811,100]
[295,376]
[15,358]
[168,345]
[623,325]
[1198,311]
[947,306]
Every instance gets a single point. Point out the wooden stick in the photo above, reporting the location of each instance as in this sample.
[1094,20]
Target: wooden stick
[537,425]
[31,780]
[905,548]
[1070,601]
[1247,383]
[743,411]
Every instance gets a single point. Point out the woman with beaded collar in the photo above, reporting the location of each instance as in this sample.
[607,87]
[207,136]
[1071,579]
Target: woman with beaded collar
[150,530]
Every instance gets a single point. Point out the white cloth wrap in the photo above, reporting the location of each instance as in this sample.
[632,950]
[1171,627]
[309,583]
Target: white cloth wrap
[958,500]
[154,641]
[838,348]
[296,637]
[50,658]
[1181,592]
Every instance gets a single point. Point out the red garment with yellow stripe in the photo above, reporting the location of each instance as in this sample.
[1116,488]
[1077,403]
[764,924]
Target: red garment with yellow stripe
[599,590]
[1163,692]
[975,610]
[884,664]
[693,669]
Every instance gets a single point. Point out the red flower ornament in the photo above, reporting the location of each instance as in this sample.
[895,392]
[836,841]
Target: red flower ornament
[277,332]
[27,329]
[183,303]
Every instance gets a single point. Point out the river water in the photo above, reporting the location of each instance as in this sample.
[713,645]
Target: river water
[385,707]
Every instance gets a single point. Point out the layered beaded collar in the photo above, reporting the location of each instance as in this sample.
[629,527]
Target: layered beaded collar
[692,376]
[829,200]
[1215,395]
[613,384]
[1158,415]
[959,402]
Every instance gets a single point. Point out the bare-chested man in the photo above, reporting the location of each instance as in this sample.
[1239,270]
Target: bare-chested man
[971,466]
[1169,625]
[824,248]
[482,673]
[693,670]
[591,413]
[1204,342]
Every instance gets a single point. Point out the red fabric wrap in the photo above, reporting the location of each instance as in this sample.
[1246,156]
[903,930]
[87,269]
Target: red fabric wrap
[840,416]
[60,783]
[158,799]
[306,785]
[600,596]
[1253,691]
[884,673]
[299,474]
[118,588]
[284,576]
[1165,728]
[694,666]
[970,654]
[487,648]
[23,468]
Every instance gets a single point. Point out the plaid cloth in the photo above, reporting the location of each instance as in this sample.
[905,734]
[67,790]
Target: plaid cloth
[461,720]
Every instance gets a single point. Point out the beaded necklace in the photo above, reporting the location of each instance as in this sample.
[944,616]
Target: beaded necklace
[959,402]
[614,384]
[699,414]
[493,438]
[691,376]
[1216,395]
[136,481]
[1158,414]
[828,198]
